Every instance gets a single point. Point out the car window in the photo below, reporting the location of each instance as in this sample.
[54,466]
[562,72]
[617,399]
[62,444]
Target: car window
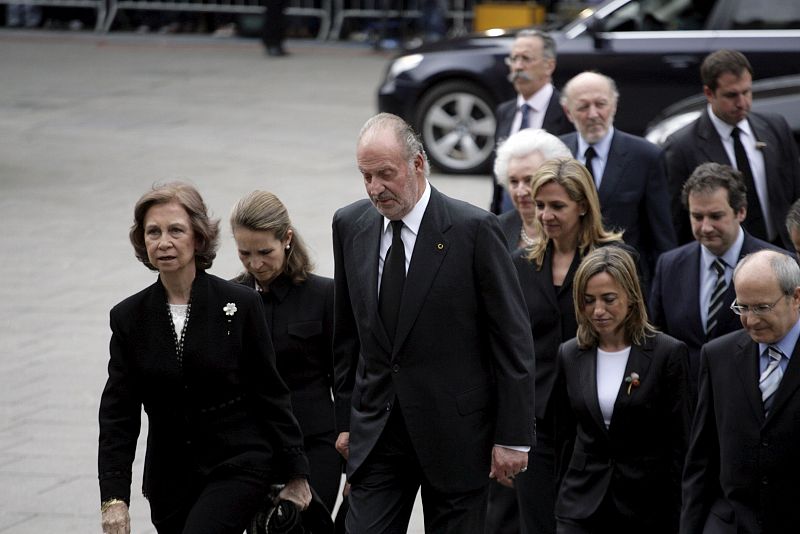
[770,14]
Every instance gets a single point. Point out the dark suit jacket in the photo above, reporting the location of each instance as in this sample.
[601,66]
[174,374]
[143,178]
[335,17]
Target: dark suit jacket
[300,319]
[511,224]
[675,299]
[555,120]
[637,461]
[461,366]
[742,469]
[223,407]
[633,192]
[699,142]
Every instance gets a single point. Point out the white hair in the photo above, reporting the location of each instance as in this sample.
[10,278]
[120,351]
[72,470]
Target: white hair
[526,142]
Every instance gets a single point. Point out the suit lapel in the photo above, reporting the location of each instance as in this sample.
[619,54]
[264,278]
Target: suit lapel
[612,174]
[709,142]
[587,363]
[366,253]
[689,267]
[638,362]
[430,249]
[747,369]
[789,384]
[763,134]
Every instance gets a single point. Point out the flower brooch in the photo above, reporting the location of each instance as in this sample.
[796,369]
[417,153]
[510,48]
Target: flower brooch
[632,381]
[229,309]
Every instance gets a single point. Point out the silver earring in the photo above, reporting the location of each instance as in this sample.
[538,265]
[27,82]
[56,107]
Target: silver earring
[288,247]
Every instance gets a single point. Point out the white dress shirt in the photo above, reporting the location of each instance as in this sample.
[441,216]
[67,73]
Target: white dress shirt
[708,276]
[538,103]
[601,148]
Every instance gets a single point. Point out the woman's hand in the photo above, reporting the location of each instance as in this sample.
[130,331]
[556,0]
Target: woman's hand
[298,492]
[116,519]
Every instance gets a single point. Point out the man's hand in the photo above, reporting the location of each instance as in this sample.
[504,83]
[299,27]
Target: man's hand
[343,444]
[298,492]
[116,519]
[506,463]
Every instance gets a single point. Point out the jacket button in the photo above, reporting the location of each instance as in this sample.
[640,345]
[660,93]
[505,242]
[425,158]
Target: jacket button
[396,368]
[764,481]
[388,406]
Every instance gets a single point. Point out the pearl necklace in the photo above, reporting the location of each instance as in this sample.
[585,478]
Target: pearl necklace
[524,237]
[179,342]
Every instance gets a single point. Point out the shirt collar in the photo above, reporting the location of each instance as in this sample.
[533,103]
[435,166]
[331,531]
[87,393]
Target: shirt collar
[413,218]
[724,129]
[538,100]
[601,147]
[787,343]
[730,257]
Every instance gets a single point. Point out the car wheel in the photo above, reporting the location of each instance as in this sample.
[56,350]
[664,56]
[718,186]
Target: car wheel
[456,122]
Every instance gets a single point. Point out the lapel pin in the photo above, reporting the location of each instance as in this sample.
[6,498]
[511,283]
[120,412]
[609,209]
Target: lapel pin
[439,246]
[632,381]
[761,145]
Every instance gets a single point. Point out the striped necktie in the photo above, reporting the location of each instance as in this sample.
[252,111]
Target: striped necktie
[715,301]
[771,377]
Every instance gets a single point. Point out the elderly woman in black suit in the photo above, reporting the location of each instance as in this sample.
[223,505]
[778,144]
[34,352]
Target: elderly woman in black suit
[569,222]
[194,351]
[621,396]
[517,160]
[299,311]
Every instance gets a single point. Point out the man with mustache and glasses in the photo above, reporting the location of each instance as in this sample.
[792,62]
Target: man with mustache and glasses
[531,64]
[629,171]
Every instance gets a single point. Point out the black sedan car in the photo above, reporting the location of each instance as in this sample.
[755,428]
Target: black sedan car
[449,90]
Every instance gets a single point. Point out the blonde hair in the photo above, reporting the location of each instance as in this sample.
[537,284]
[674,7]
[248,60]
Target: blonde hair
[618,264]
[262,211]
[570,174]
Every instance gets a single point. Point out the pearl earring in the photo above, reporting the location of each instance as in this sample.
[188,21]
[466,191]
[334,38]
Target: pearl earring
[288,247]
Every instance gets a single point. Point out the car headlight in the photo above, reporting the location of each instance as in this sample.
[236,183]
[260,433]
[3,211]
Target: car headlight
[403,64]
[659,133]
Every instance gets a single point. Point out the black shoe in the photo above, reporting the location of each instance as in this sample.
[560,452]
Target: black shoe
[276,51]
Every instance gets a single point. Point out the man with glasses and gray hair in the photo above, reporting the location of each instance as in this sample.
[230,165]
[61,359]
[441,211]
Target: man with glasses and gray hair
[743,462]
[692,288]
[531,63]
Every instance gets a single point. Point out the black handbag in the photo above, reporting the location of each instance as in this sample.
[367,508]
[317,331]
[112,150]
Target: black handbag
[284,517]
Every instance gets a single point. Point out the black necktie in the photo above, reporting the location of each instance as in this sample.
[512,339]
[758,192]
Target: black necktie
[754,222]
[525,110]
[589,156]
[392,281]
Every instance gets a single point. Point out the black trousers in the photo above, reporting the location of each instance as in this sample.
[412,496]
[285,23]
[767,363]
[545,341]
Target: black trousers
[384,489]
[222,504]
[326,466]
[536,490]
[274,29]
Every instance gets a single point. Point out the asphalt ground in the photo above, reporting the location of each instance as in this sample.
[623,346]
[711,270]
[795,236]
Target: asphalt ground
[87,124]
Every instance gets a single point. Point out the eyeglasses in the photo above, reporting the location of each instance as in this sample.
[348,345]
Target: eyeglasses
[525,60]
[755,309]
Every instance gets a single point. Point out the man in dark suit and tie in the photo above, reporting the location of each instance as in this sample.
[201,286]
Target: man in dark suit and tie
[760,146]
[432,346]
[743,462]
[628,170]
[692,290]
[531,65]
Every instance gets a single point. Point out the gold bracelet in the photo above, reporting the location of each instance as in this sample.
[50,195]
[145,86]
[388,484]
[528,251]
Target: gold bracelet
[108,504]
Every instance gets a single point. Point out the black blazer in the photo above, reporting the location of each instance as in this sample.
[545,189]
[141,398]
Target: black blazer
[555,120]
[511,225]
[699,142]
[674,302]
[742,468]
[300,319]
[633,193]
[224,407]
[461,366]
[637,461]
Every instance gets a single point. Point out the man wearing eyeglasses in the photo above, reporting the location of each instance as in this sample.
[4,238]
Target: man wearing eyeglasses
[531,63]
[692,290]
[743,464]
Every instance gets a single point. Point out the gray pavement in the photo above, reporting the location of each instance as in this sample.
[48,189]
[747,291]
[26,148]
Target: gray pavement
[87,124]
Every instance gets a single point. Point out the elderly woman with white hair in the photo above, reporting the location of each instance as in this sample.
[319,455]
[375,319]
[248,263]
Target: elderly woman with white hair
[518,159]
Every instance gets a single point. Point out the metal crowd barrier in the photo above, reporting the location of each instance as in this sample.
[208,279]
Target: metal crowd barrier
[98,5]
[457,10]
[302,8]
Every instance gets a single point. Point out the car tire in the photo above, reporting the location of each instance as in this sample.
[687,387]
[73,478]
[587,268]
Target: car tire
[456,122]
